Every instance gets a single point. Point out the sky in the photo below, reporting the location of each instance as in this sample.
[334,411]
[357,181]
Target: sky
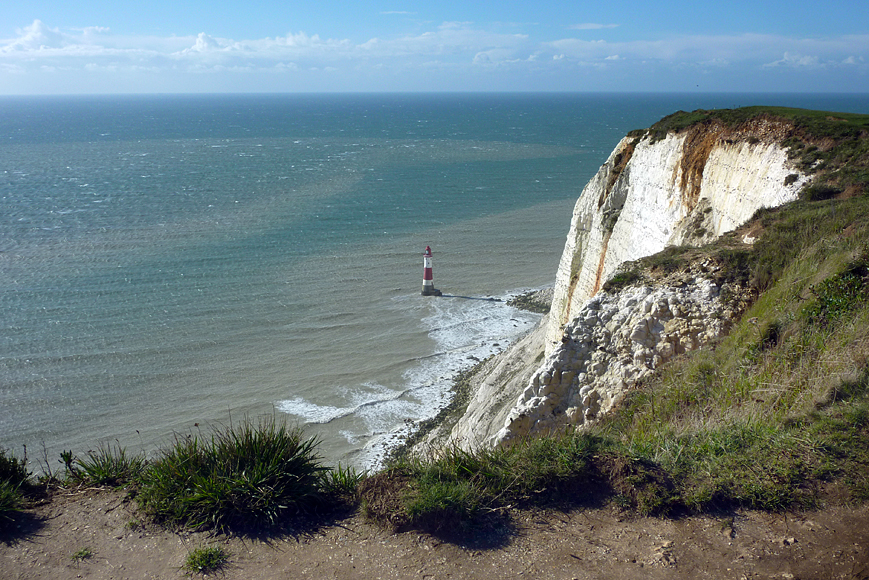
[286,46]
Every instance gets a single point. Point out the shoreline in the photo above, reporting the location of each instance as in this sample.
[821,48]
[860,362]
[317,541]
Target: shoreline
[536,301]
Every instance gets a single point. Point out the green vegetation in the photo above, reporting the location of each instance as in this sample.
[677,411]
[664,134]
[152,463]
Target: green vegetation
[628,276]
[10,502]
[249,476]
[815,123]
[105,466]
[13,476]
[452,491]
[205,560]
[82,555]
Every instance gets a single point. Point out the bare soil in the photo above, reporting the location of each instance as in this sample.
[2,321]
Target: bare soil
[589,543]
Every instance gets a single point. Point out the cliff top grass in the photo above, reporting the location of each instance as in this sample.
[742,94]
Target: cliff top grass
[817,124]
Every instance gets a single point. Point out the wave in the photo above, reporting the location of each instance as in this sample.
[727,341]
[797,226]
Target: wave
[377,417]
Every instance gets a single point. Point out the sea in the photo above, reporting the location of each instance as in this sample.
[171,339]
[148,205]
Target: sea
[173,264]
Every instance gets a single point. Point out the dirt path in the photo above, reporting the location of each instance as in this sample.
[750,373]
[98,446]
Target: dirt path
[595,544]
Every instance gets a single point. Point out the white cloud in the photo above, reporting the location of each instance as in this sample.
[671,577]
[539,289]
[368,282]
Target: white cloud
[204,43]
[37,36]
[795,61]
[754,50]
[452,48]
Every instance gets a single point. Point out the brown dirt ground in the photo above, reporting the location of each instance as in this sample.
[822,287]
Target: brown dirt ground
[588,543]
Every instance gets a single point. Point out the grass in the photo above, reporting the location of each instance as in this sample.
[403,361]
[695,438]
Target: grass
[13,477]
[452,490]
[106,466]
[247,476]
[82,555]
[205,560]
[10,502]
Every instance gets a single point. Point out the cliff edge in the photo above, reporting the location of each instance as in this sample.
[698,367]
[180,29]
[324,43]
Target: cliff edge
[666,186]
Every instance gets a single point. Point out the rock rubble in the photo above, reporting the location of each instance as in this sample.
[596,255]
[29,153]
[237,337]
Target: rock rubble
[614,341]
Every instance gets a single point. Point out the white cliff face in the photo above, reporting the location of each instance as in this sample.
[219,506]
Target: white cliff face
[687,188]
[673,191]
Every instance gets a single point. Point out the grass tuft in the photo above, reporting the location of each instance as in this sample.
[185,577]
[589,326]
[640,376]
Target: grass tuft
[456,487]
[341,481]
[205,560]
[107,466]
[247,476]
[81,555]
[13,476]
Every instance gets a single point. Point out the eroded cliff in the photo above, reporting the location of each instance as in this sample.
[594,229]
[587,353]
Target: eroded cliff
[655,190]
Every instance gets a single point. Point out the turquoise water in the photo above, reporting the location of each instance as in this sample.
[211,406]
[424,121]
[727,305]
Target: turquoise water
[171,262]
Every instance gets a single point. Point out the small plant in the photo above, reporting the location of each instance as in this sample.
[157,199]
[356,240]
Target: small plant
[81,555]
[10,502]
[204,560]
[12,469]
[107,466]
[13,475]
[68,460]
[341,481]
[622,280]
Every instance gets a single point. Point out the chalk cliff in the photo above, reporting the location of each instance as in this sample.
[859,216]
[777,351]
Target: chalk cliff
[655,190]
[687,188]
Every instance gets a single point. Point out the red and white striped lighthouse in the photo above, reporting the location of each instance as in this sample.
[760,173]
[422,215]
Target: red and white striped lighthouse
[428,288]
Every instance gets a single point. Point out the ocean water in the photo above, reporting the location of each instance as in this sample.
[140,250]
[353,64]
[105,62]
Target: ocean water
[169,263]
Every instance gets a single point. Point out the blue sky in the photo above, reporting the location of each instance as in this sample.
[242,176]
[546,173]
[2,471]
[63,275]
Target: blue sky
[89,47]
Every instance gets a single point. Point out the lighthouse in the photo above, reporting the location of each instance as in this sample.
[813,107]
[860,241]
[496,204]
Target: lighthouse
[428,288]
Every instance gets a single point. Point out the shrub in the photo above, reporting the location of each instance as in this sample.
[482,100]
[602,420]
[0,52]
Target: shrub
[819,192]
[246,476]
[839,295]
[12,469]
